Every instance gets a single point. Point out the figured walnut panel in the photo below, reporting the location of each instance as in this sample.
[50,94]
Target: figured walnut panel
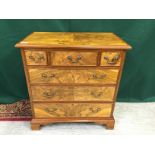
[48,110]
[89,93]
[65,58]
[110,59]
[73,39]
[77,76]
[72,93]
[35,57]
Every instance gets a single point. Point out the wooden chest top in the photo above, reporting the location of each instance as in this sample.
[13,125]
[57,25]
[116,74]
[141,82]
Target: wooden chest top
[68,39]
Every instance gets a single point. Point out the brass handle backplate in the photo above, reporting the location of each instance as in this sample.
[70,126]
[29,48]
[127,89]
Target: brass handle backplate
[96,94]
[112,61]
[49,94]
[74,61]
[95,110]
[47,76]
[37,59]
[51,110]
[94,76]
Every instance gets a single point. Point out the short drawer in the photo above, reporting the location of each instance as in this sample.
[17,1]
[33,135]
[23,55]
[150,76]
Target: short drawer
[72,93]
[110,59]
[49,110]
[74,58]
[71,76]
[35,57]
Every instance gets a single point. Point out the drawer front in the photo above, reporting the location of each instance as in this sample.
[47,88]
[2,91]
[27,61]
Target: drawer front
[64,58]
[77,76]
[110,59]
[48,110]
[72,93]
[35,57]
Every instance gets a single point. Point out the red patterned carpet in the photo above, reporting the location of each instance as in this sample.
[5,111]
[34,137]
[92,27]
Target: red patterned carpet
[15,112]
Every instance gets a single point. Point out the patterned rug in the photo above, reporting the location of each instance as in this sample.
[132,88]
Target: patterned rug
[18,111]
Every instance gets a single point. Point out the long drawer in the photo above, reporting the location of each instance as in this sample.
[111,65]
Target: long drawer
[71,76]
[48,110]
[72,93]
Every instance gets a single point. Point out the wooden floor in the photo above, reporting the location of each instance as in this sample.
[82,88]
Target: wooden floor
[131,118]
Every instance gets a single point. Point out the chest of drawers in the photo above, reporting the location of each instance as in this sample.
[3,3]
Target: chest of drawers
[72,77]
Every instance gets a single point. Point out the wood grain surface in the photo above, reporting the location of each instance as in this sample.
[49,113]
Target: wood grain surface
[47,110]
[110,58]
[35,58]
[73,76]
[73,39]
[74,58]
[72,93]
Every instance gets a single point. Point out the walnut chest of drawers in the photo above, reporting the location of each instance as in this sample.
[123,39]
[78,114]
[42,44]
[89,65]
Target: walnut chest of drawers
[72,77]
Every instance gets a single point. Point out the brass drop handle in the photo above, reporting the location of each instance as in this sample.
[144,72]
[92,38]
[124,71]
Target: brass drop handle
[49,94]
[112,61]
[95,110]
[38,58]
[94,76]
[32,58]
[46,76]
[51,110]
[96,94]
[74,61]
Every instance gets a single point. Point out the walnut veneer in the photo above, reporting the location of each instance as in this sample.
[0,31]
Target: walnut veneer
[72,77]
